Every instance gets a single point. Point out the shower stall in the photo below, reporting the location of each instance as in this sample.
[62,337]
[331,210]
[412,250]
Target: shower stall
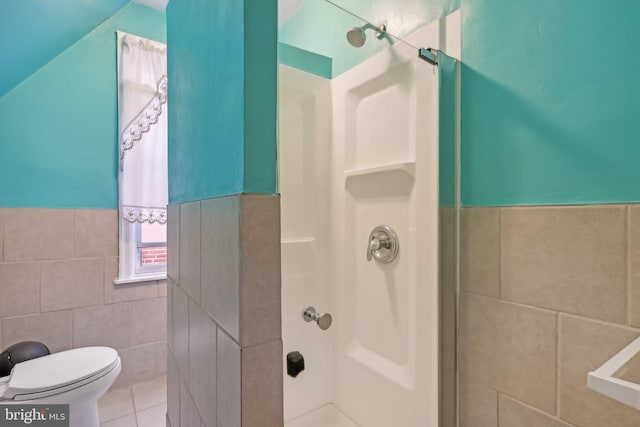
[367,175]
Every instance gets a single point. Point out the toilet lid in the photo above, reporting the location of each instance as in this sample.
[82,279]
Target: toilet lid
[59,370]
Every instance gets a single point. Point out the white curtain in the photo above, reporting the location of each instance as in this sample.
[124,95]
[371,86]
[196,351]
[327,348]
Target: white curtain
[142,125]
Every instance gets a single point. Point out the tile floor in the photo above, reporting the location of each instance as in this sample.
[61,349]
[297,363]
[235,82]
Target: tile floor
[325,416]
[138,405]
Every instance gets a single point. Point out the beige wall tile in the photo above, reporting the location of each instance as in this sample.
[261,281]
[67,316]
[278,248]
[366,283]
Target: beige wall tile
[478,405]
[229,379]
[262,385]
[148,321]
[124,292]
[516,414]
[261,284]
[95,232]
[510,348]
[71,284]
[221,272]
[584,346]
[161,358]
[19,288]
[190,249]
[51,329]
[634,264]
[189,416]
[480,251]
[173,391]
[180,310]
[447,286]
[170,286]
[173,242]
[138,364]
[35,234]
[162,288]
[566,259]
[202,363]
[108,325]
[1,234]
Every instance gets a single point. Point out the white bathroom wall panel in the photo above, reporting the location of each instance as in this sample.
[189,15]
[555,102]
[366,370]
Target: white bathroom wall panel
[357,152]
[304,150]
[385,172]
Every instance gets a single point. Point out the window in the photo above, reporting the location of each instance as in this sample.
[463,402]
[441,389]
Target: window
[143,180]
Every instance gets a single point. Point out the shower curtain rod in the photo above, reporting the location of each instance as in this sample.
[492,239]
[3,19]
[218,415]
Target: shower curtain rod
[428,54]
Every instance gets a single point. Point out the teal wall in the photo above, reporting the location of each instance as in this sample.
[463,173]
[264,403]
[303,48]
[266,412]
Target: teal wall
[58,128]
[222,98]
[33,32]
[550,102]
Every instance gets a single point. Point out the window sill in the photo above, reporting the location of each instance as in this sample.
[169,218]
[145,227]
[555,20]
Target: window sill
[140,279]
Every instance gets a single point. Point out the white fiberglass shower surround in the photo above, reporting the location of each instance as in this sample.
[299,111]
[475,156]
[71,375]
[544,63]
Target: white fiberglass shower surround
[358,152]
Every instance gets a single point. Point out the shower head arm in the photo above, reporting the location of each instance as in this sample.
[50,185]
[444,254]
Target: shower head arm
[429,55]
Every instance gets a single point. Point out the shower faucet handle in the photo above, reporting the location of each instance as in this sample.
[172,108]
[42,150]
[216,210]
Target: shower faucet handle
[323,320]
[383,244]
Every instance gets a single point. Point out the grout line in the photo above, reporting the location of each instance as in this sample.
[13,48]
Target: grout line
[551,310]
[498,394]
[500,253]
[627,247]
[557,413]
[73,233]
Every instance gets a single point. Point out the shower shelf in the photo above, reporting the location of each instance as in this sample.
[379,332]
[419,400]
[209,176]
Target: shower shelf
[407,167]
[297,240]
[395,179]
[603,380]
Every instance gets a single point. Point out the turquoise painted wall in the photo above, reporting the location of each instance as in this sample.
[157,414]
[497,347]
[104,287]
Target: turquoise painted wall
[33,32]
[58,128]
[222,98]
[550,102]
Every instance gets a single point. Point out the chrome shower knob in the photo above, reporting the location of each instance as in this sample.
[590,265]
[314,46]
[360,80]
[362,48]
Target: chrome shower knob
[322,320]
[383,245]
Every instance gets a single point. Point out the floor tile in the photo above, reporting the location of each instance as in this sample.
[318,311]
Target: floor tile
[115,404]
[149,393]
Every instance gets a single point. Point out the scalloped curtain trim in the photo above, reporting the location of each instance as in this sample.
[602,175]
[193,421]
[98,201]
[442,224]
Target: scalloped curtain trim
[150,215]
[141,124]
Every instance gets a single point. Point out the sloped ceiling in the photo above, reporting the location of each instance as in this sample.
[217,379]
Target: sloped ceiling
[33,32]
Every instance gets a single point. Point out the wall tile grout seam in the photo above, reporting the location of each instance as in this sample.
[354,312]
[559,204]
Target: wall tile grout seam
[561,313]
[528,406]
[40,288]
[500,253]
[557,364]
[627,246]
[1,234]
[241,262]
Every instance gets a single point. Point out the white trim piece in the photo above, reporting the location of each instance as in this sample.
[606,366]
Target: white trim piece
[602,380]
[139,279]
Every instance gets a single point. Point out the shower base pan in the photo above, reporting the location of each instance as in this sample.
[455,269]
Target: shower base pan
[325,416]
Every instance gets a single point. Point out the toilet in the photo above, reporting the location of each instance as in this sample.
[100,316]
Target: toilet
[77,377]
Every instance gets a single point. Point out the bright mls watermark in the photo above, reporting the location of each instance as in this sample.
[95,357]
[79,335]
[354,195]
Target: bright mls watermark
[34,415]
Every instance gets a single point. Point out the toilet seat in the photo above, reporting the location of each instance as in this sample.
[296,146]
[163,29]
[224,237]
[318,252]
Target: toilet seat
[58,372]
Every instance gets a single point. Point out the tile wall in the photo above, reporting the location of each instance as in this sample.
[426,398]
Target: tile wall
[56,286]
[225,345]
[548,294]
